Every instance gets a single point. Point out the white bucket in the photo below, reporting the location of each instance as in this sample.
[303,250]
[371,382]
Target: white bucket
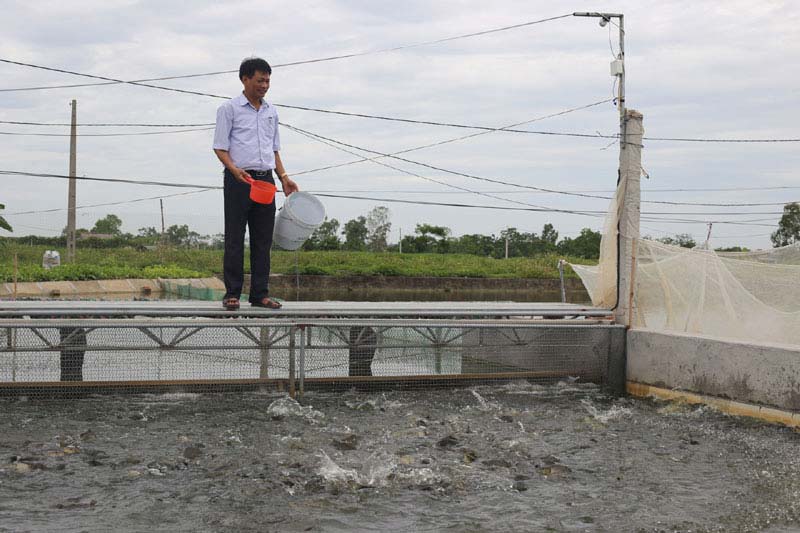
[301,214]
[50,259]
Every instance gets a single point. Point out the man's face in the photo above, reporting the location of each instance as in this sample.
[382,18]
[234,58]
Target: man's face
[257,85]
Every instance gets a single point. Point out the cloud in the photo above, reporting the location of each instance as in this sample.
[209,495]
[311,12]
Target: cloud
[704,69]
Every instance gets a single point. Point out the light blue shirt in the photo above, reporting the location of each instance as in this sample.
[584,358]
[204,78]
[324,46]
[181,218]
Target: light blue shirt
[248,134]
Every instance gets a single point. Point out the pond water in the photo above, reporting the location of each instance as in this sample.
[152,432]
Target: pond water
[514,457]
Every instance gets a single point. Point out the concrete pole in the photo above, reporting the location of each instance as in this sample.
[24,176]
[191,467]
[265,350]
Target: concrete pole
[629,191]
[71,198]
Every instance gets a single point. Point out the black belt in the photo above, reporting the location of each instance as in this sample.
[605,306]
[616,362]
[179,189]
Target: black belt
[259,172]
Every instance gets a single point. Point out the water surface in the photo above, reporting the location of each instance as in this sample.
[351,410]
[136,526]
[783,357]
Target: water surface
[516,457]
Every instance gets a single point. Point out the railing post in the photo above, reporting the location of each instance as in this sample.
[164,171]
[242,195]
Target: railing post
[561,264]
[292,342]
[302,360]
[263,370]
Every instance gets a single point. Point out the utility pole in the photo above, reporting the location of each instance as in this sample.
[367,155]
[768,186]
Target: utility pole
[708,236]
[628,194]
[162,240]
[73,146]
[617,66]
[163,228]
[506,246]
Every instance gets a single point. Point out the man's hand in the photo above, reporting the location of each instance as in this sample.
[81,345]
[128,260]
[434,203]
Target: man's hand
[289,186]
[241,175]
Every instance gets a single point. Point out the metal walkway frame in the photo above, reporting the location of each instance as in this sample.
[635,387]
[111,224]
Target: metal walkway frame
[143,344]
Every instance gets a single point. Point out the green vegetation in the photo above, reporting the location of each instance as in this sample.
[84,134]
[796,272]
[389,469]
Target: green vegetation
[339,263]
[128,262]
[108,253]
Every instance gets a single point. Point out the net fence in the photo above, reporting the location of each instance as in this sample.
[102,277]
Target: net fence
[41,354]
[743,296]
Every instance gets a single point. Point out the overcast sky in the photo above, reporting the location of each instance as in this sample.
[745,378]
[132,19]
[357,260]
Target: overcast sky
[702,69]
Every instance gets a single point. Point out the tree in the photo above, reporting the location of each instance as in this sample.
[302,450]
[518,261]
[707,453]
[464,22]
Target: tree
[378,227]
[519,244]
[108,225]
[549,235]
[475,244]
[684,240]
[788,227]
[355,234]
[325,237]
[182,236]
[3,224]
[424,239]
[586,245]
[148,232]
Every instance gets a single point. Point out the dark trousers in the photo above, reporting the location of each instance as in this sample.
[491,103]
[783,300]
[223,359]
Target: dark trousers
[241,212]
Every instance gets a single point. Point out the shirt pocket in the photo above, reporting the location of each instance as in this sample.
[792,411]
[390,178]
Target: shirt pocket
[268,124]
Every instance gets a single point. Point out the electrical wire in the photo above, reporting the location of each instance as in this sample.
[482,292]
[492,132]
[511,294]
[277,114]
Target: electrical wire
[505,182]
[455,139]
[307,61]
[303,62]
[336,145]
[107,124]
[753,222]
[133,134]
[405,120]
[105,204]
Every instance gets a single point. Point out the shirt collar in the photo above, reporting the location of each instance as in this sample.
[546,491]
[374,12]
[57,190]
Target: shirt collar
[243,101]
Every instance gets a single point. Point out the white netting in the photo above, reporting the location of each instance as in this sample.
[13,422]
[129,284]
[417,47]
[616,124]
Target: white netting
[709,293]
[748,296]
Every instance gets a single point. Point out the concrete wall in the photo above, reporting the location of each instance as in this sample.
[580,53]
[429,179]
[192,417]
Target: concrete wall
[103,287]
[755,373]
[422,288]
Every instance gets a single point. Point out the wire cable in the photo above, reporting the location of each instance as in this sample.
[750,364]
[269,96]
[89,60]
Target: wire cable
[107,124]
[308,61]
[753,222]
[133,134]
[105,204]
[455,139]
[336,145]
[410,121]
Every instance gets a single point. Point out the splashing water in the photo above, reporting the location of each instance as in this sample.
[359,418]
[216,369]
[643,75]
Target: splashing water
[605,416]
[379,469]
[485,405]
[288,407]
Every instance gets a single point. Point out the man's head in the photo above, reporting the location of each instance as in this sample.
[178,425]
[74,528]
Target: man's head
[254,73]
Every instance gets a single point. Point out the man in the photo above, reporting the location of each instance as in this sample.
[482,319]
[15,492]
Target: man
[247,142]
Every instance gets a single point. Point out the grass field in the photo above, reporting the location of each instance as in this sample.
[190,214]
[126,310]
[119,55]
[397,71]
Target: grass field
[118,263]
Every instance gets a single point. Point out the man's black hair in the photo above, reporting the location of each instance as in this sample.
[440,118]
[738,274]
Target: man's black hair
[251,65]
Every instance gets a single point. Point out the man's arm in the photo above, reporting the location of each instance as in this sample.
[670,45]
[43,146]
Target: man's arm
[289,186]
[225,159]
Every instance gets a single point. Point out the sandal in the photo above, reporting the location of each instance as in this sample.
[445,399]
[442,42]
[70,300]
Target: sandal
[230,303]
[267,303]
